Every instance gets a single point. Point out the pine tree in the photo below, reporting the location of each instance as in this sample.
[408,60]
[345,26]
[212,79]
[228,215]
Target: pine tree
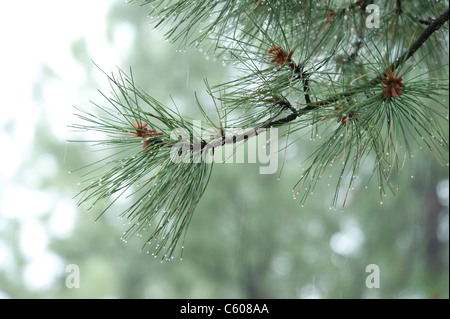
[367,80]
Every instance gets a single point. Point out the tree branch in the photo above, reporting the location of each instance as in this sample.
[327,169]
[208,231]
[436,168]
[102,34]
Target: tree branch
[222,140]
[433,27]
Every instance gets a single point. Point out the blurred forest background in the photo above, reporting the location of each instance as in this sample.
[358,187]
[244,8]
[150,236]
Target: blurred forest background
[248,237]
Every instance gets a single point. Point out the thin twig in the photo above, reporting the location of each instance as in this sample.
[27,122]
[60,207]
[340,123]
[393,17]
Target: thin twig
[398,9]
[427,22]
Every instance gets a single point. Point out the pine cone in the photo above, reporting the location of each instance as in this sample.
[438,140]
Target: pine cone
[279,55]
[393,85]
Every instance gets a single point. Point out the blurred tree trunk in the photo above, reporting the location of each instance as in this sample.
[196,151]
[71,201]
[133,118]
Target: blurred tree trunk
[433,249]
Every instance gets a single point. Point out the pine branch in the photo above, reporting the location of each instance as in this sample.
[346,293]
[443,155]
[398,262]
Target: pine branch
[433,27]
[264,38]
